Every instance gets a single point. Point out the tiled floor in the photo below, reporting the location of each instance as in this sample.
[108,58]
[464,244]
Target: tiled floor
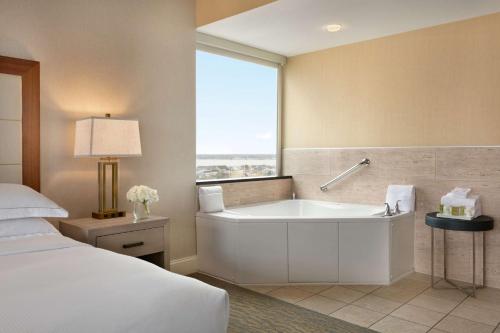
[409,305]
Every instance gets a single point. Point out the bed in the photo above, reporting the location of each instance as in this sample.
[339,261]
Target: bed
[51,283]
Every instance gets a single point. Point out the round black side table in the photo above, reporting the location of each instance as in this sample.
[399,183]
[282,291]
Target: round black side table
[479,224]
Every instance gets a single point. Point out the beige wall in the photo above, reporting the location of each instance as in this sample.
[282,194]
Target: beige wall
[208,11]
[427,88]
[134,59]
[435,86]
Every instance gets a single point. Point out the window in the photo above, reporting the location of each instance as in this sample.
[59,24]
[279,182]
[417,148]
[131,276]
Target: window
[236,117]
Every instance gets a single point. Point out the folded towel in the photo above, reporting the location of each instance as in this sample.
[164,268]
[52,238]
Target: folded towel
[211,199]
[461,192]
[451,199]
[404,193]
[472,205]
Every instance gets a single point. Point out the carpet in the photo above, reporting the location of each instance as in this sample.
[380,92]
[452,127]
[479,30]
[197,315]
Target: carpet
[252,312]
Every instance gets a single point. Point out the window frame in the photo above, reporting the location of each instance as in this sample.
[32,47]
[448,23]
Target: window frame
[222,47]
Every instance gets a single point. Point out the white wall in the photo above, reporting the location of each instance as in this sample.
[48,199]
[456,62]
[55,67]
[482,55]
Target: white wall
[130,58]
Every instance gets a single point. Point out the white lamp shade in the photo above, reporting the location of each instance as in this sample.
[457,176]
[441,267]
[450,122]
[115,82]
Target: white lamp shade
[107,137]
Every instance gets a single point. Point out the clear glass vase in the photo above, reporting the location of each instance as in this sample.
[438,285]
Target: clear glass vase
[141,211]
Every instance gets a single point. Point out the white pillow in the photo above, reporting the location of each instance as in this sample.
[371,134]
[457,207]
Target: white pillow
[211,199]
[19,201]
[23,227]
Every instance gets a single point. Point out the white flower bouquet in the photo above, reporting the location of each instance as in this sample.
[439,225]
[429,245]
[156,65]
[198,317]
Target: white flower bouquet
[142,196]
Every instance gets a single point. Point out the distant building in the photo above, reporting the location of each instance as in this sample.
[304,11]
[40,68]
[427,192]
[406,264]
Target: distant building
[235,166]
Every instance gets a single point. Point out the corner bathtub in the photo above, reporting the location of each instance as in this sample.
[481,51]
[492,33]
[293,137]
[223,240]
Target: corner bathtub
[305,241]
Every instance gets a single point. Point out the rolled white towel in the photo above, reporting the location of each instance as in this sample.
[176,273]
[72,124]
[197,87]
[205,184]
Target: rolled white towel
[404,193]
[211,199]
[451,199]
[461,192]
[472,204]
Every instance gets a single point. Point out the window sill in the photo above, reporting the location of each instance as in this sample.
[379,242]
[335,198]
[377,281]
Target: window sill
[239,180]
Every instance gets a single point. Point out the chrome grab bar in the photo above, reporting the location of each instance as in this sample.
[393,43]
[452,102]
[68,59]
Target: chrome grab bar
[364,162]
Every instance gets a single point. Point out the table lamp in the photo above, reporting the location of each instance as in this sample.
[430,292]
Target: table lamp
[108,139]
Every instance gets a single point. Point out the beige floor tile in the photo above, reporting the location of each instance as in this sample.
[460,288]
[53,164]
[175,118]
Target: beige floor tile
[454,324]
[376,303]
[472,301]
[490,295]
[449,294]
[402,290]
[396,325]
[433,303]
[357,315]
[421,277]
[314,288]
[261,289]
[479,314]
[411,284]
[342,294]
[321,304]
[418,315]
[290,294]
[362,288]
[395,294]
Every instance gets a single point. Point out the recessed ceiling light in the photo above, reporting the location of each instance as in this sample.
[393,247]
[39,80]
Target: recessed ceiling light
[333,27]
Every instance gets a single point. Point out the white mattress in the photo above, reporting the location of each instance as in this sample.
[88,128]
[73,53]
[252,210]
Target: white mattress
[50,283]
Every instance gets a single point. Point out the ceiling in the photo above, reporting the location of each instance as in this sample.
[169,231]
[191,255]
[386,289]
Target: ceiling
[292,27]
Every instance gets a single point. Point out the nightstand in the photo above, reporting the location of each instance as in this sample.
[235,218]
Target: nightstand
[147,239]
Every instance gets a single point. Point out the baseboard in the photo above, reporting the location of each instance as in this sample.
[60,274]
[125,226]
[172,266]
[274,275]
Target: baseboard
[184,266]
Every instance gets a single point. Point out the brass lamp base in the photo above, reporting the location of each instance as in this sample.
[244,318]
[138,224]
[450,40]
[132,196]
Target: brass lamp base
[107,215]
[106,212]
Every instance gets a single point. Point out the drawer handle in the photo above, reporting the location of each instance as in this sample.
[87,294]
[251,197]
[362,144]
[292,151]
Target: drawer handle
[128,246]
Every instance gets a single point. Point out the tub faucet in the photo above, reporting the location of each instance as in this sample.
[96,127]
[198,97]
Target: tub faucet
[387,210]
[396,210]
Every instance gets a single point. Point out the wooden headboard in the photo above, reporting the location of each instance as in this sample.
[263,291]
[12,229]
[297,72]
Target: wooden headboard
[29,72]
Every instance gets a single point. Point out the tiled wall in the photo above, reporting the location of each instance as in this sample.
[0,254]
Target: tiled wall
[243,193]
[433,170]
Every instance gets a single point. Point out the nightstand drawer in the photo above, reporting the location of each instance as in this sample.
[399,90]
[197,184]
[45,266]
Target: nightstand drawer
[133,243]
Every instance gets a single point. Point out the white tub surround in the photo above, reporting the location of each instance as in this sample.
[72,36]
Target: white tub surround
[305,241]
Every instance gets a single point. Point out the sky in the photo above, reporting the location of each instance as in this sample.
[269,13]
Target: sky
[236,106]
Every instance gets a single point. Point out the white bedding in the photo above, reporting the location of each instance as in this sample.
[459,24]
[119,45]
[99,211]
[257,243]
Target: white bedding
[50,283]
